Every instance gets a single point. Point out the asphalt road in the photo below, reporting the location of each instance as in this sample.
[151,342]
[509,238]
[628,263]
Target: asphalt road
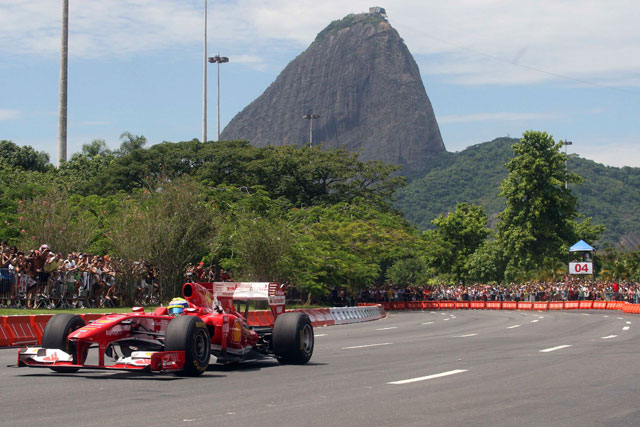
[454,368]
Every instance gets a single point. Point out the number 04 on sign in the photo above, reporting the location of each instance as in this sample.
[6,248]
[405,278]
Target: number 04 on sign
[580,268]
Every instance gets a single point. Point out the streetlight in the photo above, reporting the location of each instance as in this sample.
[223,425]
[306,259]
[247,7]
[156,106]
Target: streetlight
[204,79]
[218,60]
[311,118]
[566,162]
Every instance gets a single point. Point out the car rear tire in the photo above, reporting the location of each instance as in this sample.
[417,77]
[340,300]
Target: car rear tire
[56,334]
[293,338]
[189,334]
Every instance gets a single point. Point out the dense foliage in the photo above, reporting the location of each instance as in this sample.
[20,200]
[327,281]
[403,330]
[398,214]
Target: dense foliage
[311,218]
[609,195]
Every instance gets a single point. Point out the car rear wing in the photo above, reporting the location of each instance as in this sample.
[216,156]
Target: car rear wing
[224,294]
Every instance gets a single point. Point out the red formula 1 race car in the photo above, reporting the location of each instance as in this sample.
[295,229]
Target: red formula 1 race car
[211,324]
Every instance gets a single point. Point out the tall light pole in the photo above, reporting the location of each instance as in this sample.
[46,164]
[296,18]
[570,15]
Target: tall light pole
[566,163]
[311,118]
[218,60]
[62,104]
[204,79]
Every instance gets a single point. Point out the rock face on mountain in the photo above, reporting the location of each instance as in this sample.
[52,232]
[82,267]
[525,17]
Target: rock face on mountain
[361,80]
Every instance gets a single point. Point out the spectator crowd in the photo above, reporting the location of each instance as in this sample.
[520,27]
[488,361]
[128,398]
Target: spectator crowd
[570,289]
[45,279]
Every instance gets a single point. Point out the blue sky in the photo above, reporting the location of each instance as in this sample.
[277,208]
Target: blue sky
[490,67]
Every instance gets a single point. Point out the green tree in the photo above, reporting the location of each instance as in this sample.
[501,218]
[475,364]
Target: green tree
[97,147]
[487,263]
[347,244]
[58,219]
[130,142]
[12,155]
[537,223]
[167,227]
[462,232]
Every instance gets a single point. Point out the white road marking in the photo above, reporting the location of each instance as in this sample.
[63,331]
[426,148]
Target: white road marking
[535,321]
[586,314]
[464,336]
[446,319]
[547,350]
[606,316]
[365,346]
[428,323]
[628,323]
[540,317]
[514,326]
[626,328]
[609,336]
[620,318]
[386,329]
[320,335]
[428,377]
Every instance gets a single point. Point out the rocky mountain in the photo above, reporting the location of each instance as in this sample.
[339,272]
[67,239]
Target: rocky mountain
[361,80]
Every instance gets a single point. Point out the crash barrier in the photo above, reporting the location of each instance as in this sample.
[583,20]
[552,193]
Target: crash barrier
[626,307]
[18,331]
[324,316]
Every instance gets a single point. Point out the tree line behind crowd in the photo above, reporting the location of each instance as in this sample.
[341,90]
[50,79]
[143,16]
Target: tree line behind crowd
[308,217]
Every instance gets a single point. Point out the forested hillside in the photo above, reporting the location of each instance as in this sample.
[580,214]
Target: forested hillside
[611,196]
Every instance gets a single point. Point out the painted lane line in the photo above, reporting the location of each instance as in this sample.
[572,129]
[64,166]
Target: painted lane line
[320,335]
[609,336]
[446,319]
[620,318]
[465,336]
[586,314]
[365,346]
[535,321]
[606,316]
[386,329]
[514,326]
[540,317]
[626,328]
[547,350]
[628,323]
[428,323]
[428,377]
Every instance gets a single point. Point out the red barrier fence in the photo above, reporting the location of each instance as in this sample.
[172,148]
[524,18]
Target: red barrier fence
[510,305]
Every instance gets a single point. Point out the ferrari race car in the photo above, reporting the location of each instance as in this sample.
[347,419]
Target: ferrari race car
[211,324]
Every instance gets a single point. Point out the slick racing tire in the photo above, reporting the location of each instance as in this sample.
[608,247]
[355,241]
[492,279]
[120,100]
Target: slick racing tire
[293,338]
[189,334]
[55,336]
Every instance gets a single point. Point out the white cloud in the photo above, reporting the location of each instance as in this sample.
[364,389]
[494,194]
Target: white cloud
[474,41]
[9,114]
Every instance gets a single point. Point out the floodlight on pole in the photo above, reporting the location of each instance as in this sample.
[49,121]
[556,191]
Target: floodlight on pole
[311,118]
[218,60]
[204,79]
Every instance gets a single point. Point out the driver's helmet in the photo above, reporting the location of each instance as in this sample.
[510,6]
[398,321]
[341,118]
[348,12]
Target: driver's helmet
[177,306]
